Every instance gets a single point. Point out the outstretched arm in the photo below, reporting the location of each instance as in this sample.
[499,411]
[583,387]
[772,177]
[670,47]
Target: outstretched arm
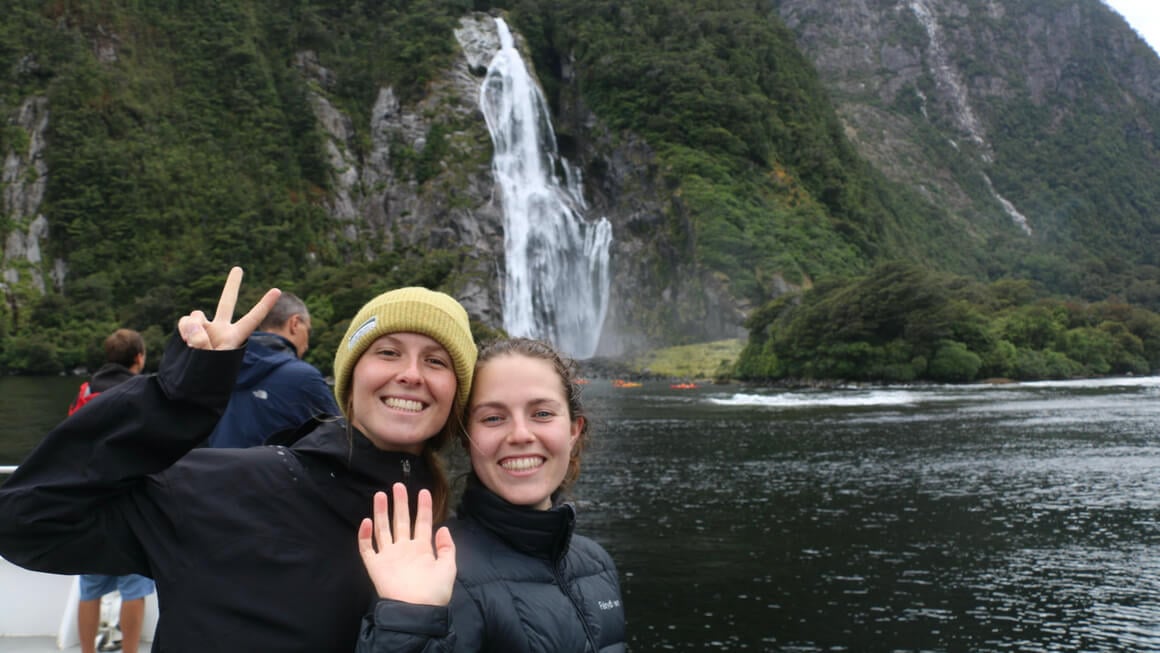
[77,502]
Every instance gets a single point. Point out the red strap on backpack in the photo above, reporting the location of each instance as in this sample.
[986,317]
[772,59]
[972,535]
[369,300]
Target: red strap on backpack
[84,396]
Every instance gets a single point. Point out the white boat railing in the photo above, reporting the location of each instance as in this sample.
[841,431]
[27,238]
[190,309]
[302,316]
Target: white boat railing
[35,604]
[32,603]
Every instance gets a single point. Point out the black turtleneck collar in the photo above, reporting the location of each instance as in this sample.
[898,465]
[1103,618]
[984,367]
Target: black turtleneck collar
[539,533]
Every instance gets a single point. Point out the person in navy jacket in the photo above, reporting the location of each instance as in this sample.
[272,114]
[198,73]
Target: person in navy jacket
[276,390]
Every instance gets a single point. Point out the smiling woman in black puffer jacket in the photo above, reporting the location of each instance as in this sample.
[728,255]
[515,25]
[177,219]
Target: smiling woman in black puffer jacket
[525,582]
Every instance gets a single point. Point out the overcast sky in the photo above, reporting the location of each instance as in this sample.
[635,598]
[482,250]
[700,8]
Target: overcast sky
[1143,16]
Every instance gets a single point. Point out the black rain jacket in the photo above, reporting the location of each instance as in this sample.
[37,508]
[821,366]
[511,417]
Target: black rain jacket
[252,549]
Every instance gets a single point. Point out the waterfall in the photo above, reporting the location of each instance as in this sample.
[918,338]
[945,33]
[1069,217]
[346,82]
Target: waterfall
[556,282]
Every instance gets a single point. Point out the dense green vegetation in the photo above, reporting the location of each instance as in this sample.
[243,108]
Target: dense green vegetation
[749,141]
[702,361]
[903,323]
[195,149]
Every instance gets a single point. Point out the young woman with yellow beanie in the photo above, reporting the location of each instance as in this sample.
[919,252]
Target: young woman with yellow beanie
[251,549]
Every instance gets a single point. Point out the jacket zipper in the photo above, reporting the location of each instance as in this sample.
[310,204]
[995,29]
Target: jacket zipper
[407,473]
[567,590]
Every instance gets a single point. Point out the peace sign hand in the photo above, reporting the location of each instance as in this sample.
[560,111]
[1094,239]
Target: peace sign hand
[220,333]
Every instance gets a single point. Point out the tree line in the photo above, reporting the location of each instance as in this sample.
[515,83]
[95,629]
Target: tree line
[901,322]
[196,149]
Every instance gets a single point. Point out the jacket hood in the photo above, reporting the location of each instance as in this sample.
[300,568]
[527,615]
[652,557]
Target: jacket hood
[109,375]
[264,353]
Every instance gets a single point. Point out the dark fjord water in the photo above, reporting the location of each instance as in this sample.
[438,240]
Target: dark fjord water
[982,518]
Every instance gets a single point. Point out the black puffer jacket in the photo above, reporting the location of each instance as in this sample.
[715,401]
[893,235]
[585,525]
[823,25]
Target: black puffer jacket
[525,583]
[252,549]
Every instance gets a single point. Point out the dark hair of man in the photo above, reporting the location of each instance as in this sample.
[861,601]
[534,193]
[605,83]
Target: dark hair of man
[122,347]
[287,307]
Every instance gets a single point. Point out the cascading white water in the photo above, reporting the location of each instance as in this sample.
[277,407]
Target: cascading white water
[556,285]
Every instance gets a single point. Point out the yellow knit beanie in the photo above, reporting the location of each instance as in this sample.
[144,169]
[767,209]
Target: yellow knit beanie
[408,310]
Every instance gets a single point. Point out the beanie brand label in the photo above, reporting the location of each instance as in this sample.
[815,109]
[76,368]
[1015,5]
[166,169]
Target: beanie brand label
[361,331]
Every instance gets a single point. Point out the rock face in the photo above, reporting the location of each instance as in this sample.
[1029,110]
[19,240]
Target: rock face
[953,62]
[377,197]
[658,296]
[380,202]
[23,179]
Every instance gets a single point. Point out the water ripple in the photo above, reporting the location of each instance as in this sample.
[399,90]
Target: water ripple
[1020,519]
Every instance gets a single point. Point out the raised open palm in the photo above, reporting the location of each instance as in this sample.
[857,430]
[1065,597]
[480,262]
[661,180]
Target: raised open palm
[405,566]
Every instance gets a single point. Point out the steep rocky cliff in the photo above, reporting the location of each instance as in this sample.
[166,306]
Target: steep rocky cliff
[23,181]
[1004,138]
[458,206]
[376,194]
[954,98]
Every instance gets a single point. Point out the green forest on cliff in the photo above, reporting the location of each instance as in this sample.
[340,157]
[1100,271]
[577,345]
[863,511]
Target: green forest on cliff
[901,323]
[196,150]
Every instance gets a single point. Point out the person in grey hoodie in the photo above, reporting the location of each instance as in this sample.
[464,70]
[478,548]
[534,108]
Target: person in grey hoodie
[276,391]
